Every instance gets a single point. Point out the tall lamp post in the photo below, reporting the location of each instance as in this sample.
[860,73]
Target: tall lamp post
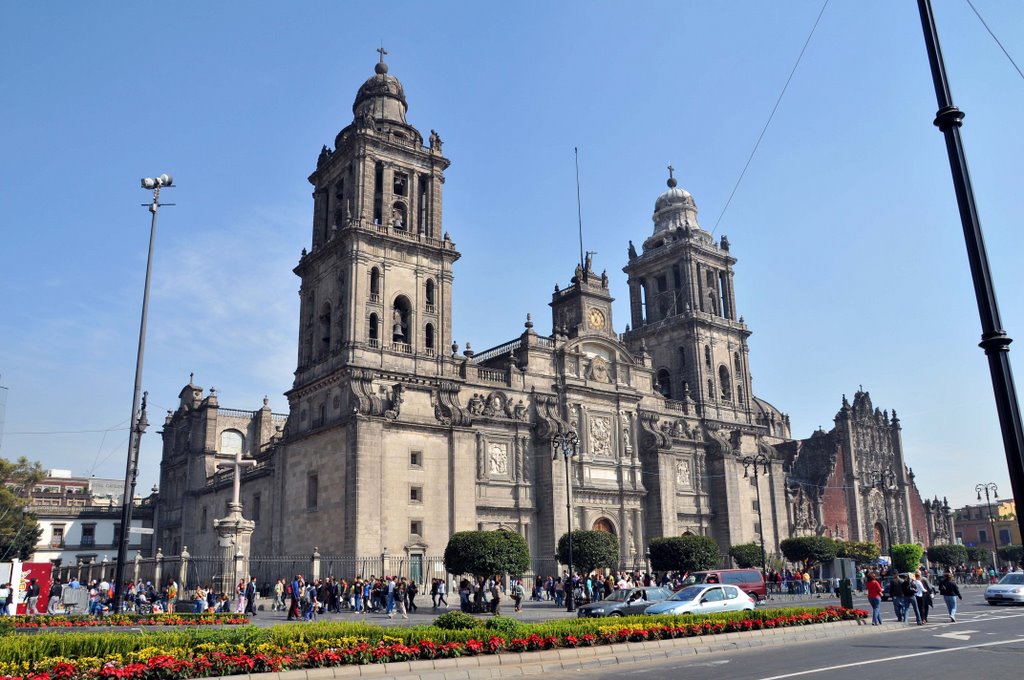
[567,444]
[138,421]
[884,481]
[759,462]
[994,339]
[990,487]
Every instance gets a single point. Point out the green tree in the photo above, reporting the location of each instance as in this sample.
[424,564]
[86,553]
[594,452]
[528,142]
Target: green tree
[590,550]
[684,553]
[907,556]
[19,530]
[861,552]
[746,555]
[808,550]
[978,554]
[947,555]
[1014,554]
[486,553]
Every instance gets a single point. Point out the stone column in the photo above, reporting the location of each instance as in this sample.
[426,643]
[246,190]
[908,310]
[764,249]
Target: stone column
[234,534]
[314,566]
[158,568]
[136,567]
[183,572]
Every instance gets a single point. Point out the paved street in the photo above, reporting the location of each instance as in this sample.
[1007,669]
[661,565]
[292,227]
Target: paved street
[984,642]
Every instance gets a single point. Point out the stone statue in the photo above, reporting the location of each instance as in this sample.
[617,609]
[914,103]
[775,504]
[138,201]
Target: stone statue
[435,141]
[632,251]
[588,262]
[520,410]
[476,405]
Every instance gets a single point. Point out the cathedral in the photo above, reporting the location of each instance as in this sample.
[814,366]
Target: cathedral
[395,439]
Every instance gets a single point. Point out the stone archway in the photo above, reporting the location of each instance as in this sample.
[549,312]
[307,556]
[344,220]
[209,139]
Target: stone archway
[604,524]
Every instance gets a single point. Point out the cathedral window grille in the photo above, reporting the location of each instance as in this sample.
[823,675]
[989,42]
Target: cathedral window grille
[711,390]
[726,304]
[428,296]
[676,278]
[707,356]
[428,338]
[665,383]
[736,362]
[682,357]
[312,491]
[421,201]
[374,285]
[378,195]
[725,383]
[374,331]
[739,395]
[325,328]
[254,513]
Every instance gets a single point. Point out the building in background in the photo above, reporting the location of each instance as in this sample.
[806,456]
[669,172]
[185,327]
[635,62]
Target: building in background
[974,524]
[81,517]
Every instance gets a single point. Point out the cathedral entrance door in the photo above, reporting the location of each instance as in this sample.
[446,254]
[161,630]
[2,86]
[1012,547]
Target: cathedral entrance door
[416,568]
[604,524]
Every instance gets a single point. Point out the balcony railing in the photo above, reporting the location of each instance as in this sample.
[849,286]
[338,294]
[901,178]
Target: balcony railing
[56,542]
[88,541]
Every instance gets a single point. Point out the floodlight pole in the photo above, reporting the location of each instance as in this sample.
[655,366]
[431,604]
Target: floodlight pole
[994,339]
[138,419]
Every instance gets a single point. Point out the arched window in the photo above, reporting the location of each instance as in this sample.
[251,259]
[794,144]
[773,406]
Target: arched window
[374,329]
[231,442]
[724,383]
[665,383]
[429,293]
[325,328]
[399,216]
[604,524]
[428,337]
[400,313]
[707,355]
[374,281]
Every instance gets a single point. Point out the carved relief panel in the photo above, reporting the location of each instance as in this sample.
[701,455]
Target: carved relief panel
[601,436]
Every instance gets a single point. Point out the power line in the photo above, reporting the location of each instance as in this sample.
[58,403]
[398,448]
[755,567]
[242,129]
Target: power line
[771,116]
[109,429]
[978,14]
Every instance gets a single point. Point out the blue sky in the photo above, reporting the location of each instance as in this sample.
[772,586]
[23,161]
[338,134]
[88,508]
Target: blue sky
[851,259]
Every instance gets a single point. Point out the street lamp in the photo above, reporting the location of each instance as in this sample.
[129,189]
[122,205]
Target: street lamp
[990,486]
[760,464]
[884,481]
[138,420]
[569,443]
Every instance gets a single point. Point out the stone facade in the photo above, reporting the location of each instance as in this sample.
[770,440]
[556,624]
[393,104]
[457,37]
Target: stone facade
[395,439]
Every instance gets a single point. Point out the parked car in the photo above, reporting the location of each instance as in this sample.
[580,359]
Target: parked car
[704,599]
[1009,588]
[625,602]
[749,580]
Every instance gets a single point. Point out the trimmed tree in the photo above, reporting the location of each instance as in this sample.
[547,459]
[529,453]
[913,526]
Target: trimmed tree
[485,553]
[861,552]
[978,554]
[746,555]
[590,550]
[808,550]
[947,555]
[1014,554]
[907,556]
[684,553]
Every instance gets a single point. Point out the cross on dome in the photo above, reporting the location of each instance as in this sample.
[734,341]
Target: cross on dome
[671,180]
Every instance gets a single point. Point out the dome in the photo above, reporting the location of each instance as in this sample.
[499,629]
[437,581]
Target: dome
[674,209]
[381,96]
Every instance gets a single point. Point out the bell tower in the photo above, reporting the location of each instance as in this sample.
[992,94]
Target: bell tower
[683,307]
[377,278]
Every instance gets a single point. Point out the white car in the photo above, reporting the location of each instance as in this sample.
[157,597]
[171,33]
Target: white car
[705,598]
[1010,588]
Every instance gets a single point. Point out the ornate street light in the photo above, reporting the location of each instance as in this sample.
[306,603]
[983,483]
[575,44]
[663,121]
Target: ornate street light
[759,462]
[138,421]
[567,444]
[990,486]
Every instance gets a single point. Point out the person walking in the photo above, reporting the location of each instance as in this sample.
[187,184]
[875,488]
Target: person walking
[32,598]
[950,594]
[411,591]
[55,593]
[518,593]
[910,588]
[401,594]
[441,589]
[250,597]
[874,589]
[295,591]
[924,595]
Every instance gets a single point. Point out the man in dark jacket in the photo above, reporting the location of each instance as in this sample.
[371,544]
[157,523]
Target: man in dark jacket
[250,597]
[55,592]
[950,594]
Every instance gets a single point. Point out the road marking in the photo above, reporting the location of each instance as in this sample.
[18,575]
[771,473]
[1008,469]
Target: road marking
[958,635]
[894,658]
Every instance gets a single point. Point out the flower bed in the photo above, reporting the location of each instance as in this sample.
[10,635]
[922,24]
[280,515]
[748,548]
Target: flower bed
[121,620]
[204,653]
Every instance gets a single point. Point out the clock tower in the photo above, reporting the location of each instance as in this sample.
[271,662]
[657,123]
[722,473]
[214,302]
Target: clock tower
[585,307]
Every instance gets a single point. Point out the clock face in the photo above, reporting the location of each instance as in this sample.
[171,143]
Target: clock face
[596,318]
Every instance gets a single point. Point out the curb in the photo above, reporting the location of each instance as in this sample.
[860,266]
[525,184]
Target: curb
[514,664]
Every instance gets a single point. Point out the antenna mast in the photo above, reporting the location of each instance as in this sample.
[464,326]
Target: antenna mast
[579,209]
